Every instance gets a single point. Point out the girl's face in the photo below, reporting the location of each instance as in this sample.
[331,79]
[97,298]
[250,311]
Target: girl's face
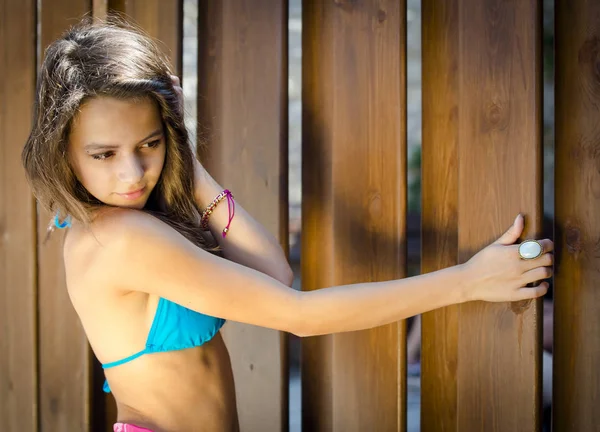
[117,149]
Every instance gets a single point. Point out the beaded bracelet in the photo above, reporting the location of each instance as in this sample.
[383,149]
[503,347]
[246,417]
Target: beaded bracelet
[208,211]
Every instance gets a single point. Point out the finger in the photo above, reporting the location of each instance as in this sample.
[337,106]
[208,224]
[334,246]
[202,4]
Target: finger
[533,292]
[512,234]
[536,274]
[176,81]
[546,260]
[547,244]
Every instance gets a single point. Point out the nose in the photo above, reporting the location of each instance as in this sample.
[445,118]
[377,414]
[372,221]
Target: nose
[130,170]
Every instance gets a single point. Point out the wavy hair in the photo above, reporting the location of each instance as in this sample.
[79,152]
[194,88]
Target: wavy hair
[114,59]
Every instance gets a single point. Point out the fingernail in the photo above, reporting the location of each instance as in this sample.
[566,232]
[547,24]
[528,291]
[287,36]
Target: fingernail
[517,218]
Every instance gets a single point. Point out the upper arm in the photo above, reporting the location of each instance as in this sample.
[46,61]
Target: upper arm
[141,253]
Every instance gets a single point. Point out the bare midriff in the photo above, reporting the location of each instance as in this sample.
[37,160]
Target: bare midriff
[186,390]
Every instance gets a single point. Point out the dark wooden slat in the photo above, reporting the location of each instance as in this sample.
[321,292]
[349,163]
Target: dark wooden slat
[242,115]
[103,413]
[499,175]
[317,209]
[356,133]
[18,333]
[576,388]
[162,19]
[64,352]
[439,346]
[100,9]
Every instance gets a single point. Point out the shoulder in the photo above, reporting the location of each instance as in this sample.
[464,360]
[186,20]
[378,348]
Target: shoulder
[111,224]
[113,234]
[122,242]
[117,227]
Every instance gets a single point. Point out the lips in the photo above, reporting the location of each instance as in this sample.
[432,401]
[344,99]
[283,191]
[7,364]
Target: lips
[133,195]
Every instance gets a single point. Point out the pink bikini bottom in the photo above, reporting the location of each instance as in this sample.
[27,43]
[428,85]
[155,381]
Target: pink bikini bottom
[125,427]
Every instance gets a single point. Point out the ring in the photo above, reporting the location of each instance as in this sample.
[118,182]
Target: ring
[530,249]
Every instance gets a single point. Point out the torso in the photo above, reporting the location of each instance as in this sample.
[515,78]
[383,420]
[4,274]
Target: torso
[190,389]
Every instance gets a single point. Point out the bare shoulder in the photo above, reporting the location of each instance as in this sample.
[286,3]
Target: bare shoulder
[121,244]
[111,224]
[115,225]
[87,247]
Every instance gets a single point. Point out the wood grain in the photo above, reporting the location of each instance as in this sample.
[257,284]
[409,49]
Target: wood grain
[162,20]
[499,175]
[317,252]
[439,345]
[242,124]
[481,166]
[64,353]
[18,303]
[354,211]
[576,388]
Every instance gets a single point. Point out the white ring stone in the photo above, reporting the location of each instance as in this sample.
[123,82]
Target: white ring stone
[530,249]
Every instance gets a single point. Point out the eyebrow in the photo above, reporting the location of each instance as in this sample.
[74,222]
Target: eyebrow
[97,146]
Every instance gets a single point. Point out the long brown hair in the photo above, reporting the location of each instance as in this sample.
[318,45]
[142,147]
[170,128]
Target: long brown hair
[114,59]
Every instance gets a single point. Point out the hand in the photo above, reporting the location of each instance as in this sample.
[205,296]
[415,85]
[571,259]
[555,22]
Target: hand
[498,274]
[178,90]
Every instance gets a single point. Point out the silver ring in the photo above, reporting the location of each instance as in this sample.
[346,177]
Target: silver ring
[530,249]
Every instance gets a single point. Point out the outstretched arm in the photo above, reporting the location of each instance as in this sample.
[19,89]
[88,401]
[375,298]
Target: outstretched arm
[141,253]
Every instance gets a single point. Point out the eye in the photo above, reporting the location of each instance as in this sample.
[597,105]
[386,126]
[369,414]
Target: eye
[102,156]
[152,144]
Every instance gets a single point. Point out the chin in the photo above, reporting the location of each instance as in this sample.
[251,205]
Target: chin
[137,204]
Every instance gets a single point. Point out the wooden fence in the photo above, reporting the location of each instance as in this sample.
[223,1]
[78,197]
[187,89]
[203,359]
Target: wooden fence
[482,164]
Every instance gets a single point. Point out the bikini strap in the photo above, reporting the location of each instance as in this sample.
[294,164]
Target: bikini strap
[125,360]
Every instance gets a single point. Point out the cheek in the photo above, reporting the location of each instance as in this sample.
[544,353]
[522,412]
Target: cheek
[83,170]
[95,178]
[157,162]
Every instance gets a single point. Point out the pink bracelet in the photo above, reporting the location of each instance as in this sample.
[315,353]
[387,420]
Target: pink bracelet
[208,211]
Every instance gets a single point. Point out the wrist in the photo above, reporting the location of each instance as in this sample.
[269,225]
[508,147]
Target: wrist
[463,284]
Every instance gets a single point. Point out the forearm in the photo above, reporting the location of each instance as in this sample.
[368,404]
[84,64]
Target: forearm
[367,305]
[247,241]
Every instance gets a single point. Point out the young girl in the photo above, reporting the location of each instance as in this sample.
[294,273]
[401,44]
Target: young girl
[159,255]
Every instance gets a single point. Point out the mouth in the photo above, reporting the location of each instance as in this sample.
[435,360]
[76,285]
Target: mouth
[133,195]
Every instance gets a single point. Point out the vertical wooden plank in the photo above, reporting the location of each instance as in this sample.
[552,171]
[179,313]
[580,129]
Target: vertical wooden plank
[317,252]
[103,411]
[499,175]
[439,345]
[18,333]
[100,9]
[482,164]
[242,116]
[576,388]
[355,132]
[63,349]
[162,19]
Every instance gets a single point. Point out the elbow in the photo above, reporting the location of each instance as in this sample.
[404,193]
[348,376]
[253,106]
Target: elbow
[302,326]
[302,332]
[285,275]
[288,276]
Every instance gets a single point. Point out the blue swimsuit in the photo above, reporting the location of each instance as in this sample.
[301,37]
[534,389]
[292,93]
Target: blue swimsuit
[174,327]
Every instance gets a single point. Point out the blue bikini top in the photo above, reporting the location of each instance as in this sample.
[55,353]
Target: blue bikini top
[174,327]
